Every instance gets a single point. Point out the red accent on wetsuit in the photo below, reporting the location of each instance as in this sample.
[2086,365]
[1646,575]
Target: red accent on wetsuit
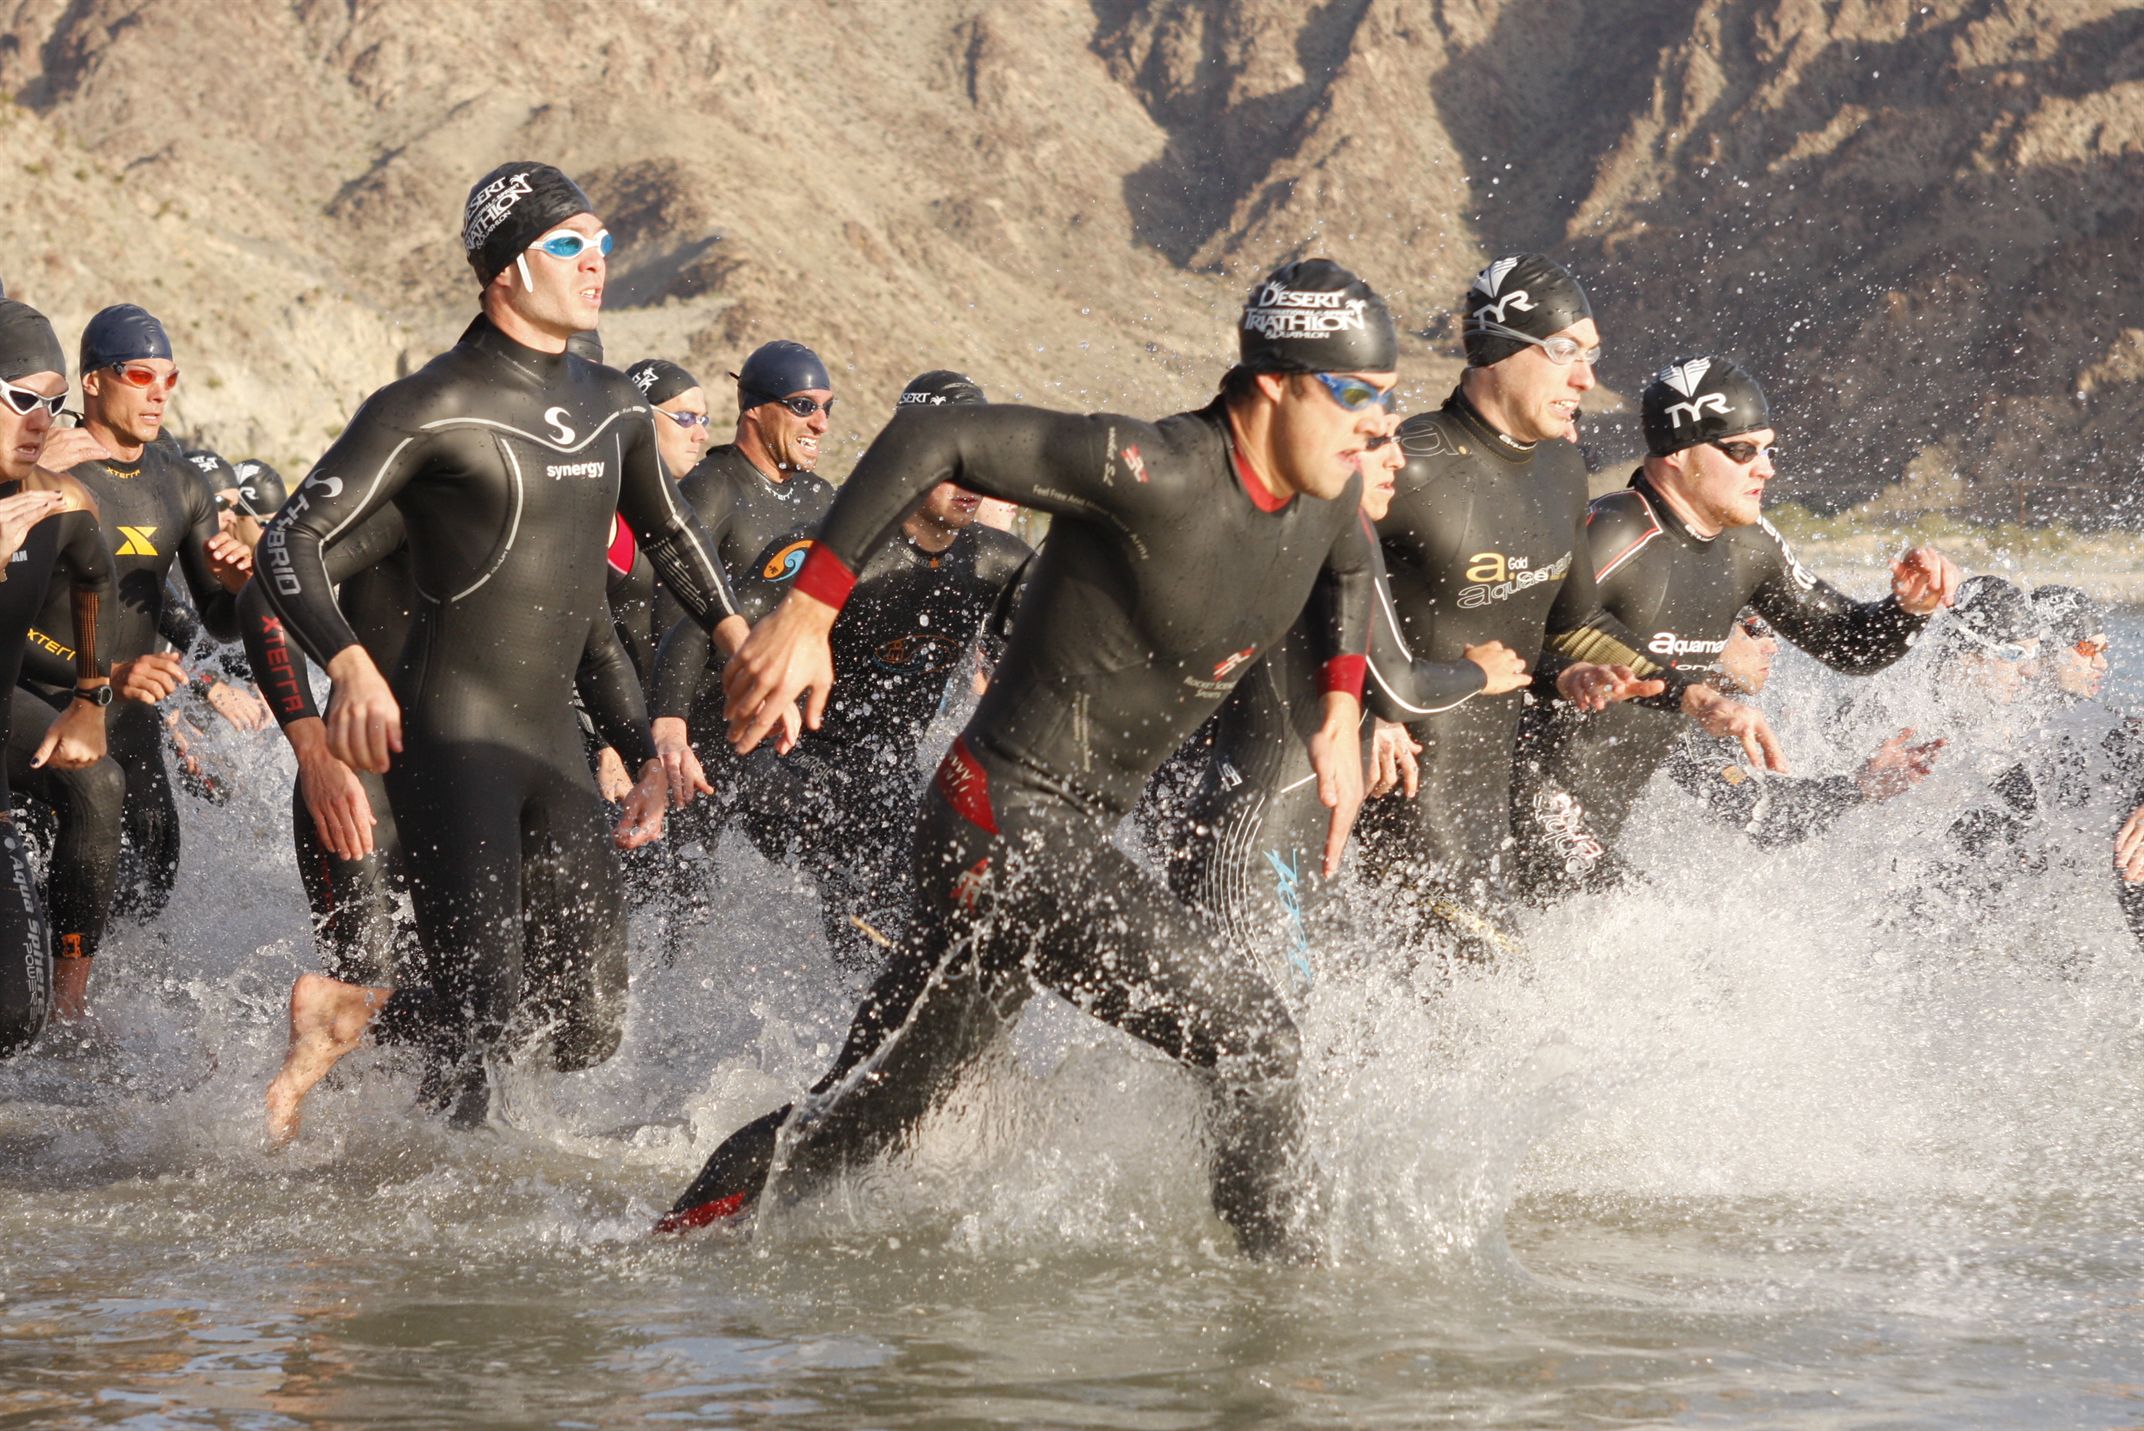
[965,785]
[1344,674]
[701,1216]
[826,577]
[1263,500]
[622,547]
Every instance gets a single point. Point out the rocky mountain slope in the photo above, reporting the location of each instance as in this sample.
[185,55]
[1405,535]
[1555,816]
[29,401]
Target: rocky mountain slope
[1920,222]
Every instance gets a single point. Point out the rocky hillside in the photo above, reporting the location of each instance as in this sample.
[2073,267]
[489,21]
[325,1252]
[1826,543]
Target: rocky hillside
[1919,221]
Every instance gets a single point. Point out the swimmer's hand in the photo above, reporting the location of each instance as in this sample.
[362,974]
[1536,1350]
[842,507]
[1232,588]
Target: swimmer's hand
[230,562]
[67,447]
[786,656]
[148,678]
[1392,760]
[1923,580]
[612,783]
[244,710]
[21,512]
[1724,716]
[364,719]
[642,821]
[332,793]
[1594,687]
[73,740]
[2129,848]
[1897,766]
[1336,755]
[1502,665]
[681,767]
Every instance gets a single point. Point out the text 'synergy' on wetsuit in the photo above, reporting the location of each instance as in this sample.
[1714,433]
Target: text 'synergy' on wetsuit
[1167,573]
[1485,541]
[844,801]
[70,545]
[1580,774]
[1249,840]
[506,464]
[154,511]
[354,902]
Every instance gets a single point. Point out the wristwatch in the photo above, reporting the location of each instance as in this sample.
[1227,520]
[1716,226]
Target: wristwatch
[98,696]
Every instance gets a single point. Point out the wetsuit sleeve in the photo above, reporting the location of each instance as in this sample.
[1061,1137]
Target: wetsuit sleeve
[218,608]
[677,546]
[49,657]
[1346,589]
[1402,687]
[358,476]
[1581,628]
[283,676]
[1857,637]
[1052,461]
[610,693]
[178,623]
[1776,810]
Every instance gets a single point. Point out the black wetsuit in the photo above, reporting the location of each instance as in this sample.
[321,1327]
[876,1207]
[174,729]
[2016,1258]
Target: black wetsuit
[1484,542]
[1682,593]
[506,463]
[153,511]
[71,545]
[844,800]
[356,904]
[1775,811]
[1248,842]
[1167,573]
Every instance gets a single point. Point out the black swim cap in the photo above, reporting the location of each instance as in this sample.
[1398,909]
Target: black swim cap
[1989,611]
[660,380]
[1313,316]
[586,344]
[2068,614]
[27,343]
[1525,293]
[216,472]
[261,489]
[939,387]
[512,207]
[1694,400]
[777,369]
[122,333]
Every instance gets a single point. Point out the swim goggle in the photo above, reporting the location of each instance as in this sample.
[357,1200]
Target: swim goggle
[2000,650]
[1562,350]
[136,375]
[571,243]
[2090,649]
[1353,393]
[801,406]
[686,419]
[25,402]
[1744,453]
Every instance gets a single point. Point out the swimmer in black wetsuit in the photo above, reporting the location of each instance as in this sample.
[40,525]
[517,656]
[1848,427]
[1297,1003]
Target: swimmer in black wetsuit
[1479,547]
[1178,553]
[48,525]
[845,799]
[1773,809]
[506,457]
[155,514]
[1676,556]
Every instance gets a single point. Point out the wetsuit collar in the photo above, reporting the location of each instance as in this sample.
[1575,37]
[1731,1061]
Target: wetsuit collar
[1663,512]
[483,335]
[1492,438]
[1262,499]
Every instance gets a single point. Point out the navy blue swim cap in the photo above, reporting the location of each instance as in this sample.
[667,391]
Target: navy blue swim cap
[123,333]
[1526,293]
[938,388]
[1694,400]
[27,343]
[1314,316]
[660,380]
[777,369]
[512,207]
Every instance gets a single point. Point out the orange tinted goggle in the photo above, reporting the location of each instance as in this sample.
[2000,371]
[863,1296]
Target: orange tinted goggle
[2088,648]
[135,375]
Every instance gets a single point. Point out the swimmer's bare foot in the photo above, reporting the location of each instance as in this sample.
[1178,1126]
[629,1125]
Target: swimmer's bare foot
[70,989]
[327,1019]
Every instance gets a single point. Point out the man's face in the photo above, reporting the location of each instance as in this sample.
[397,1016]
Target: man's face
[2004,677]
[1747,660]
[22,438]
[130,398]
[1542,397]
[1381,472]
[683,446]
[1318,442]
[791,440]
[950,507]
[1724,492]
[562,295]
[2081,669]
